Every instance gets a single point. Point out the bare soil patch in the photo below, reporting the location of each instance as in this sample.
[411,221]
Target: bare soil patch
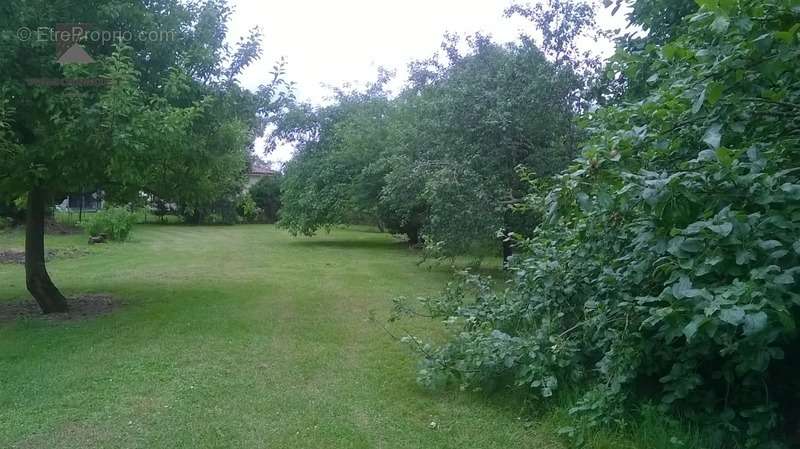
[82,307]
[54,227]
[12,257]
[18,257]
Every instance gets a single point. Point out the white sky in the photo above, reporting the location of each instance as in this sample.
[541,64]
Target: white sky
[332,42]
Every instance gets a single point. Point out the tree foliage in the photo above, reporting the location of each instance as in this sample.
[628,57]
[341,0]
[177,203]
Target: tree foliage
[326,182]
[114,223]
[266,197]
[668,263]
[168,119]
[440,160]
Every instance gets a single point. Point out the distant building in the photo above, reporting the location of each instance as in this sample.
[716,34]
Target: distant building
[258,169]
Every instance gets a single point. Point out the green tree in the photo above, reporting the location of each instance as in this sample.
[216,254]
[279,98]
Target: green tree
[328,181]
[206,166]
[478,119]
[163,98]
[439,162]
[667,268]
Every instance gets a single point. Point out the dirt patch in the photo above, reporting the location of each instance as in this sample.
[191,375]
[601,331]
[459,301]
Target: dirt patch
[66,253]
[12,257]
[18,257]
[54,227]
[82,307]
[51,227]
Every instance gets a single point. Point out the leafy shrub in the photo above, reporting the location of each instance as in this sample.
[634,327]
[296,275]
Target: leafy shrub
[115,223]
[248,209]
[668,263]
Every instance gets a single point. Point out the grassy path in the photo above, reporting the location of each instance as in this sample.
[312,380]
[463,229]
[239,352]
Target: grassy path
[233,337]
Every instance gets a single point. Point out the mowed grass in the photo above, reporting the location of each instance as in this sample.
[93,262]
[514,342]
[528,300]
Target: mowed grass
[244,337]
[235,337]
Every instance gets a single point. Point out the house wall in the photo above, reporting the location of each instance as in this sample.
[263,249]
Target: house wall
[252,180]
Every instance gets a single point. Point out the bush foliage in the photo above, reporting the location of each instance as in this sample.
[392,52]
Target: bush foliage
[668,261]
[437,162]
[266,197]
[115,223]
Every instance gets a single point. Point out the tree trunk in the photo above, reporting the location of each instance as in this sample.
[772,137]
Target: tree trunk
[36,278]
[413,236]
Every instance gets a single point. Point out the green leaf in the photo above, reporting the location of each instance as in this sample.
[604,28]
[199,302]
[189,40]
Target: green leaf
[778,254]
[584,201]
[707,155]
[670,51]
[569,431]
[732,316]
[788,35]
[754,323]
[683,289]
[796,247]
[724,156]
[767,245]
[752,154]
[712,308]
[727,6]
[791,190]
[787,320]
[721,24]
[690,329]
[784,279]
[692,245]
[674,245]
[763,42]
[708,4]
[714,92]
[698,102]
[723,229]
[650,196]
[713,135]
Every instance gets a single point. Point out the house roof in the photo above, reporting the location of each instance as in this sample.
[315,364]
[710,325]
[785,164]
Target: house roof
[259,167]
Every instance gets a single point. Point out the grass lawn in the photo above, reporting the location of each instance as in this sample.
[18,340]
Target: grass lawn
[233,337]
[244,337]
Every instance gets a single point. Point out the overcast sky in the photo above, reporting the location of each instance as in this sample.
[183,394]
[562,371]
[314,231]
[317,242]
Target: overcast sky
[332,42]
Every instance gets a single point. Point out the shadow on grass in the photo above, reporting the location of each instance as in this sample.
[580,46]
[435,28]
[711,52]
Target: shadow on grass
[352,244]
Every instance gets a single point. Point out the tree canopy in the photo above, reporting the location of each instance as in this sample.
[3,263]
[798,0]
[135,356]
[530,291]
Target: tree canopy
[667,265]
[440,161]
[163,116]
